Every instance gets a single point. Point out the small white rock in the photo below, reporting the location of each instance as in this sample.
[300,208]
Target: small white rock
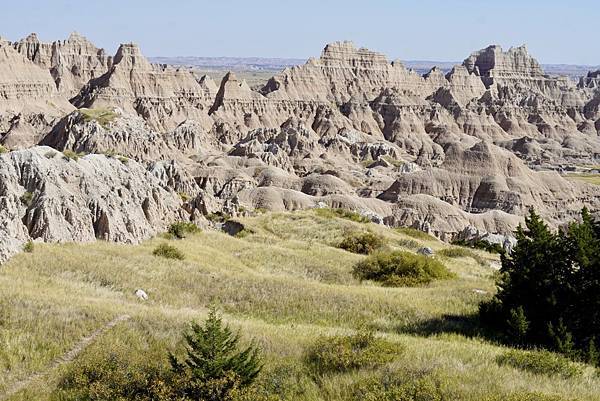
[141,294]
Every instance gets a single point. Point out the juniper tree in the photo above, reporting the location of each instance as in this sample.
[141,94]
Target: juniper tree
[215,364]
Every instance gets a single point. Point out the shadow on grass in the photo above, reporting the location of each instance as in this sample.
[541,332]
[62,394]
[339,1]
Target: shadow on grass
[468,326]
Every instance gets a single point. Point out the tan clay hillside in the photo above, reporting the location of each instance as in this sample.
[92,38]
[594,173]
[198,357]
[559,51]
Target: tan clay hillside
[455,155]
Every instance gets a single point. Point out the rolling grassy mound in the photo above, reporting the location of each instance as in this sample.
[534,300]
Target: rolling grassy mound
[285,284]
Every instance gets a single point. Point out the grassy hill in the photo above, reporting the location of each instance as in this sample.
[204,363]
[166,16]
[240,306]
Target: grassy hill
[284,284]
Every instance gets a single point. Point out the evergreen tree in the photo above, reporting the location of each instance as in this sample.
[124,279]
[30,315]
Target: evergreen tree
[214,366]
[549,288]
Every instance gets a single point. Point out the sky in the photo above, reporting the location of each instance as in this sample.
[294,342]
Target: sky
[554,31]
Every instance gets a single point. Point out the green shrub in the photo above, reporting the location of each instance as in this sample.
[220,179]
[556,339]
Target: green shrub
[215,366]
[408,243]
[218,217]
[3,149]
[116,370]
[243,233]
[27,198]
[341,213]
[28,247]
[182,228]
[184,197]
[362,242]
[524,396]
[71,155]
[399,268]
[404,385]
[102,116]
[418,234]
[480,244]
[540,362]
[168,251]
[344,353]
[456,252]
[123,159]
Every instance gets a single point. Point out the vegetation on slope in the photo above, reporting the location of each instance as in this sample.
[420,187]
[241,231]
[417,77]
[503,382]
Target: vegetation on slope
[287,286]
[102,116]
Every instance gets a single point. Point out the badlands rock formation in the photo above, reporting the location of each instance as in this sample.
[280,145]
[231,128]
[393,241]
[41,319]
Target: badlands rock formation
[440,152]
[47,196]
[72,62]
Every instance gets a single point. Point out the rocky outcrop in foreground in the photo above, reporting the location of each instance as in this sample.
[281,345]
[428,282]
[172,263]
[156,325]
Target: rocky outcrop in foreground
[46,196]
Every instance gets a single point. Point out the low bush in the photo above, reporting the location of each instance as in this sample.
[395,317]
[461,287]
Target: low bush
[28,247]
[344,353]
[244,233]
[168,251]
[540,362]
[182,229]
[218,217]
[457,252]
[480,244]
[399,268]
[405,385]
[102,116]
[3,149]
[418,234]
[27,198]
[71,155]
[524,396]
[115,370]
[184,197]
[342,213]
[363,243]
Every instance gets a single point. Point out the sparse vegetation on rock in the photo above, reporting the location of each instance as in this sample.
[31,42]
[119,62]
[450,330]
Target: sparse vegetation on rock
[72,155]
[102,116]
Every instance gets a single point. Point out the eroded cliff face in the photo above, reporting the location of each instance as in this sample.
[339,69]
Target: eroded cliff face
[29,101]
[71,62]
[162,95]
[47,196]
[442,153]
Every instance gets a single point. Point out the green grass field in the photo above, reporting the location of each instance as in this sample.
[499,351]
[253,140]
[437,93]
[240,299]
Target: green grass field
[284,284]
[589,178]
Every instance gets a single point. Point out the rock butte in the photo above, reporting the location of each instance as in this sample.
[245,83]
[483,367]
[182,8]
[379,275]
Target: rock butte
[453,154]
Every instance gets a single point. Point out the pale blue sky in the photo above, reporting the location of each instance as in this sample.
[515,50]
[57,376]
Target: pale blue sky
[554,31]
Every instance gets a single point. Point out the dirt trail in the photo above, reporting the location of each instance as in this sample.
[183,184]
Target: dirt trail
[63,359]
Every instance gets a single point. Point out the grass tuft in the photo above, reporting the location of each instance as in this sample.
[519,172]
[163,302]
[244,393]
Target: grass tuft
[414,233]
[341,213]
[72,155]
[168,251]
[540,363]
